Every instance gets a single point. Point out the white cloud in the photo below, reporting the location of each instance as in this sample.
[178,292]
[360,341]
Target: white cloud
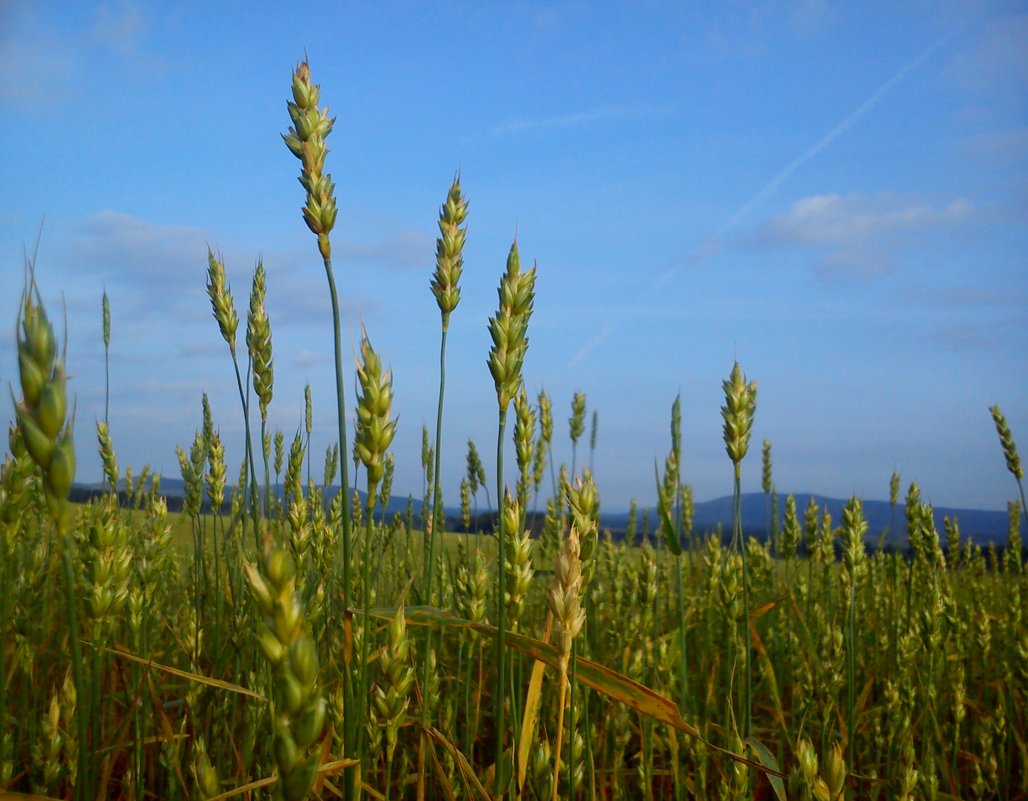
[856,233]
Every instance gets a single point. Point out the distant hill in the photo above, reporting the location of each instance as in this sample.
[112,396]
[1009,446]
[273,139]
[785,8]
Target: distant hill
[979,525]
[173,489]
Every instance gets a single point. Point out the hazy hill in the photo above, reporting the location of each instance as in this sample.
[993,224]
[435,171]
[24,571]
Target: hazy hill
[980,525]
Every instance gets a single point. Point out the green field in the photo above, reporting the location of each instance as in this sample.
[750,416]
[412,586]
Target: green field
[306,649]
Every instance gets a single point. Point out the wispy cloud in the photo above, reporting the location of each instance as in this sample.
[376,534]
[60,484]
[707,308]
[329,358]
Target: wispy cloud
[36,62]
[520,125]
[127,249]
[397,249]
[776,183]
[711,245]
[855,233]
[1004,146]
[120,26]
[995,65]
[41,63]
[306,359]
[960,298]
[989,333]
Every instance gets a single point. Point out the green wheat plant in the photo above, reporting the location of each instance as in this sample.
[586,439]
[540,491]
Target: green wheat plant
[319,645]
[509,331]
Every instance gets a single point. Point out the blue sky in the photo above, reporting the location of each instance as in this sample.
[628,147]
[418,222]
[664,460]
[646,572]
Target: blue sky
[836,194]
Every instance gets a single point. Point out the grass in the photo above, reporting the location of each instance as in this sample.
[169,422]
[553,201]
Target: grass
[312,648]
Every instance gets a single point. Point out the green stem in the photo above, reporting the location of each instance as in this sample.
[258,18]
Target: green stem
[267,470]
[362,713]
[437,495]
[851,679]
[500,604]
[683,674]
[83,783]
[1024,508]
[107,385]
[437,517]
[6,563]
[243,399]
[350,724]
[737,535]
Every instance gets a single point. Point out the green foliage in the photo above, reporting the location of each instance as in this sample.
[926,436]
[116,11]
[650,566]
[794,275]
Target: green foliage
[151,655]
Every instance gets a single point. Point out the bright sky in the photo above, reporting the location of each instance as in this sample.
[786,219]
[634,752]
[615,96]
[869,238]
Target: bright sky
[836,194]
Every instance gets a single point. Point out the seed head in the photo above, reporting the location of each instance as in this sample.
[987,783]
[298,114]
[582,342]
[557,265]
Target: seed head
[217,473]
[285,639]
[449,259]
[524,431]
[41,413]
[332,464]
[518,558]
[392,697]
[545,416]
[853,529]
[279,452]
[221,300]
[107,320]
[576,423]
[306,141]
[476,470]
[791,533]
[765,482]
[584,508]
[509,328]
[375,430]
[1006,439]
[465,503]
[740,406]
[565,597]
[258,341]
[110,463]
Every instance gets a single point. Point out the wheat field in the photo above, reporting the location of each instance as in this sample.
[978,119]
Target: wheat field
[299,645]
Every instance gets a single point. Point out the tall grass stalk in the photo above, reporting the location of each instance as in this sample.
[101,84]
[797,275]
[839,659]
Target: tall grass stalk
[445,287]
[854,528]
[576,426]
[48,439]
[107,356]
[306,141]
[683,654]
[740,406]
[1006,441]
[509,331]
[262,365]
[375,432]
[225,315]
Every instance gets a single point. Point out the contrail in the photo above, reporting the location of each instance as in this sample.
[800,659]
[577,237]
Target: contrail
[709,246]
[776,183]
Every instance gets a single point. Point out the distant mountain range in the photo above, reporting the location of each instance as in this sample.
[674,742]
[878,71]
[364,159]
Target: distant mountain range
[979,525]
